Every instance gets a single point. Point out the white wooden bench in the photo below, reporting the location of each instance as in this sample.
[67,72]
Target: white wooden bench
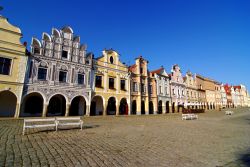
[38,123]
[229,112]
[189,116]
[68,121]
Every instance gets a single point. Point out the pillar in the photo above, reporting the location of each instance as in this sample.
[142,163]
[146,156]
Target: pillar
[45,110]
[105,106]
[17,112]
[146,102]
[67,110]
[163,107]
[87,110]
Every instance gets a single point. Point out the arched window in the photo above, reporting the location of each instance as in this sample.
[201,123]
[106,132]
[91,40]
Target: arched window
[63,74]
[111,59]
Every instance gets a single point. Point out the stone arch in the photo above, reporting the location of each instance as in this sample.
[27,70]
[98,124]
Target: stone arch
[151,107]
[134,107]
[56,33]
[57,105]
[111,107]
[167,107]
[46,37]
[123,108]
[160,107]
[97,105]
[67,29]
[32,105]
[143,108]
[77,106]
[8,101]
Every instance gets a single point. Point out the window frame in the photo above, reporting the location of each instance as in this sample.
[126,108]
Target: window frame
[65,78]
[44,68]
[10,66]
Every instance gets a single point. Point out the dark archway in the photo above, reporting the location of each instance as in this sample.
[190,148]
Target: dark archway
[57,106]
[134,107]
[151,107]
[123,108]
[159,107]
[173,107]
[96,107]
[167,107]
[78,106]
[8,102]
[32,105]
[142,107]
[180,107]
[111,108]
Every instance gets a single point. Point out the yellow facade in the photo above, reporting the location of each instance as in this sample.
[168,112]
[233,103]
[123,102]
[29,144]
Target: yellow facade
[112,86]
[13,61]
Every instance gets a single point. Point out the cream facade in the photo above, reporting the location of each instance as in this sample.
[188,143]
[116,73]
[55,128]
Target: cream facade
[143,89]
[218,97]
[192,91]
[111,86]
[13,60]
[223,96]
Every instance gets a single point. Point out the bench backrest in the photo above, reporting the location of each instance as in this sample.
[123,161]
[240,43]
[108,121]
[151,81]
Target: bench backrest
[68,118]
[39,120]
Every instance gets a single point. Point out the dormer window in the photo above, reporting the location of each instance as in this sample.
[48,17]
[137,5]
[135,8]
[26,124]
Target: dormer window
[111,59]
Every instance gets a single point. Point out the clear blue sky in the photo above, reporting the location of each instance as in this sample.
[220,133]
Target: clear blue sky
[209,37]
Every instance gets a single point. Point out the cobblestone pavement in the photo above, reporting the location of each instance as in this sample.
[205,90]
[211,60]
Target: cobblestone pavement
[157,140]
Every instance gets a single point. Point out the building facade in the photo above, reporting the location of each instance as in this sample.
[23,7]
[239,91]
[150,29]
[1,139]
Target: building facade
[13,61]
[178,89]
[218,96]
[223,96]
[201,91]
[163,90]
[112,86]
[59,77]
[209,86]
[143,88]
[192,91]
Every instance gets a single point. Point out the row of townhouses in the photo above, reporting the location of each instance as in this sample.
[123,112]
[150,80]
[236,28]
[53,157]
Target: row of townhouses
[58,77]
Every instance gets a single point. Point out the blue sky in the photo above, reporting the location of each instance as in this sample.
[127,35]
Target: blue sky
[209,37]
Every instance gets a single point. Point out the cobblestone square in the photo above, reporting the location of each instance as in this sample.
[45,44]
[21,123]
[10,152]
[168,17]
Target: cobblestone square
[154,140]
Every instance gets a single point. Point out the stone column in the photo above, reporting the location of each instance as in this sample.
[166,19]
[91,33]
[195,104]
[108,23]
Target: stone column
[146,103]
[87,110]
[67,110]
[138,106]
[17,112]
[105,106]
[163,107]
[117,109]
[170,107]
[45,109]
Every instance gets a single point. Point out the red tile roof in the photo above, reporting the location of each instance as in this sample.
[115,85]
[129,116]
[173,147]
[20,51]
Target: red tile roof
[157,71]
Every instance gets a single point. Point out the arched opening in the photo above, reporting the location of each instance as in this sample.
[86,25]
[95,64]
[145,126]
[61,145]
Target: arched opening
[134,107]
[111,108]
[151,107]
[173,107]
[211,106]
[160,107]
[32,105]
[8,102]
[57,106]
[142,107]
[96,107]
[167,107]
[123,108]
[180,107]
[78,106]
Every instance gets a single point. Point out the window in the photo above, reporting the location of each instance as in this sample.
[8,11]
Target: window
[98,81]
[160,89]
[62,76]
[111,59]
[5,65]
[42,73]
[81,79]
[64,54]
[111,83]
[141,70]
[135,88]
[150,89]
[122,84]
[187,93]
[178,92]
[166,89]
[37,50]
[142,88]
